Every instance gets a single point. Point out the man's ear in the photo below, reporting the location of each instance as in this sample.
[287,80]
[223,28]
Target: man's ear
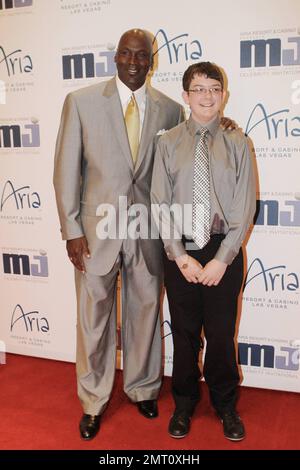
[151,63]
[186,97]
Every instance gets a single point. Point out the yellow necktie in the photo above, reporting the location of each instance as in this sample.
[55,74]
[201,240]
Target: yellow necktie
[132,120]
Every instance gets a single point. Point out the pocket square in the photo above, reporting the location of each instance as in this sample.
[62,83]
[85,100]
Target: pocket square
[161,132]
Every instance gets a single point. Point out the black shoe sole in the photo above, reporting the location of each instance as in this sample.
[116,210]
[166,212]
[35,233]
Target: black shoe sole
[235,439]
[87,438]
[177,437]
[147,416]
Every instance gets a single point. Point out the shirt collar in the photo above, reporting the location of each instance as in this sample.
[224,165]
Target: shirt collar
[194,127]
[125,92]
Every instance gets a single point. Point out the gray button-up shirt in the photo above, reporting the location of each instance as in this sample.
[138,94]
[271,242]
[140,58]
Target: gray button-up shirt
[232,186]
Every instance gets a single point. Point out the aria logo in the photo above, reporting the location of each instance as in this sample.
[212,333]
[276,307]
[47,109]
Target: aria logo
[271,278]
[20,135]
[19,198]
[276,124]
[31,322]
[16,62]
[166,329]
[178,48]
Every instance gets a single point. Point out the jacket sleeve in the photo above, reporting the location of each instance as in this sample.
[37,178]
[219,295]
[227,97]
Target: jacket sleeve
[67,170]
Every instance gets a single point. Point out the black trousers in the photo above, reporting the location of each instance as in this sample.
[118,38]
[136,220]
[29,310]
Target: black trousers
[193,307]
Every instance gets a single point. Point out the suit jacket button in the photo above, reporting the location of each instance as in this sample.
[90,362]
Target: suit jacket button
[133,181]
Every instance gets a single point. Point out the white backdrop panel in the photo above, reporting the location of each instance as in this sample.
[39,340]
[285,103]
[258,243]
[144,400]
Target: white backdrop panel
[38,311]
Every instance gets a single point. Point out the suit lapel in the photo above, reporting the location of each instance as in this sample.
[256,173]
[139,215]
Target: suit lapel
[115,113]
[149,125]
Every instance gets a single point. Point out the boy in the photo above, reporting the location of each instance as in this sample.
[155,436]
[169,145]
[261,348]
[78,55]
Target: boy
[207,171]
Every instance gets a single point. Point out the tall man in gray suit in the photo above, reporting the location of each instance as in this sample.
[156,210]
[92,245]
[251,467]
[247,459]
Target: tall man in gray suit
[95,164]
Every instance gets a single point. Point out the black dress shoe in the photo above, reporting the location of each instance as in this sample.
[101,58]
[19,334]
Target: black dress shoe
[233,426]
[179,425]
[89,426]
[148,408]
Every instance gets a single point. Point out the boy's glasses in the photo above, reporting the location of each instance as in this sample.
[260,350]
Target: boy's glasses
[203,91]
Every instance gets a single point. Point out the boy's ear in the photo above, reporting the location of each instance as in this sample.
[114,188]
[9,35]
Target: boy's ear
[186,97]
[224,95]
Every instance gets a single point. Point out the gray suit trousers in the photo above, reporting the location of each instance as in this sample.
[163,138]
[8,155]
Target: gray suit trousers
[96,331]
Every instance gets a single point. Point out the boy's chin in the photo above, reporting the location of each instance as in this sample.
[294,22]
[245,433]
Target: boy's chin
[205,117]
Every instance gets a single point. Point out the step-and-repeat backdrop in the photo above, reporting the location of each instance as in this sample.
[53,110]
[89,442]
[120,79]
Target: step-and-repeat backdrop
[49,48]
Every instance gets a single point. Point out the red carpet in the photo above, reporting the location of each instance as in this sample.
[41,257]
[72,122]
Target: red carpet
[40,410]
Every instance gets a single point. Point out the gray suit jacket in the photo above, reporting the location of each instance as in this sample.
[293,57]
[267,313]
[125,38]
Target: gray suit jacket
[93,165]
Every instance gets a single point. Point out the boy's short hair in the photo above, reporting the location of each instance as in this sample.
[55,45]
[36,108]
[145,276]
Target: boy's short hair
[201,68]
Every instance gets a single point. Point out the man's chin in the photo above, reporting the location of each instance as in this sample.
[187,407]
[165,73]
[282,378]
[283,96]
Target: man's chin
[133,83]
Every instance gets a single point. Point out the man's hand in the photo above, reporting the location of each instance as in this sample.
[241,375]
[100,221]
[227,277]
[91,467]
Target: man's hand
[227,123]
[77,249]
[190,268]
[212,273]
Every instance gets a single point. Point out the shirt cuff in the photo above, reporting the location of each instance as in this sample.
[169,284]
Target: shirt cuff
[224,254]
[174,249]
[70,233]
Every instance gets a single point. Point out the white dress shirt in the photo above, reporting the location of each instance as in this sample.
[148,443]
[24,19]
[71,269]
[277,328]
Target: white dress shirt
[232,185]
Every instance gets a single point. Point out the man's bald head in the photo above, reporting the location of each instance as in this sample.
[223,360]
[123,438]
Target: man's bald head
[140,34]
[134,57]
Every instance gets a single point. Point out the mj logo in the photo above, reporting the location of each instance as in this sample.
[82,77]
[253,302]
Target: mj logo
[8,4]
[17,135]
[87,66]
[257,50]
